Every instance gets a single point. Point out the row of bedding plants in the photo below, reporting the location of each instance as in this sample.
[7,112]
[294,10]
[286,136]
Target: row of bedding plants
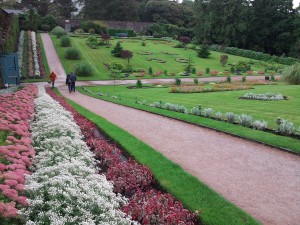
[65,187]
[134,181]
[16,151]
[30,58]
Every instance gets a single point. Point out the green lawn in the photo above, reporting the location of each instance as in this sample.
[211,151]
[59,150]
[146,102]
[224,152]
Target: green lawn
[223,101]
[97,57]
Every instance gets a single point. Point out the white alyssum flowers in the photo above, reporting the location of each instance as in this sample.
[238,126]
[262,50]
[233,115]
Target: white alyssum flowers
[65,187]
[35,55]
[20,51]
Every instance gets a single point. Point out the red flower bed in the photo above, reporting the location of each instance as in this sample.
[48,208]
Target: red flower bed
[154,207]
[15,157]
[146,205]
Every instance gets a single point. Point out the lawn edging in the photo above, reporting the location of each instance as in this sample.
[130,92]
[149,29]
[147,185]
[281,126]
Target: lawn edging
[282,143]
[213,208]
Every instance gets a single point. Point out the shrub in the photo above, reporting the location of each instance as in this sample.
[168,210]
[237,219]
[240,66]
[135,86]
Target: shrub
[177,81]
[84,69]
[72,53]
[208,112]
[218,115]
[223,59]
[128,69]
[244,79]
[292,74]
[156,104]
[91,31]
[91,41]
[78,31]
[196,81]
[176,108]
[207,70]
[48,20]
[196,111]
[245,120]
[228,79]
[117,51]
[260,125]
[230,116]
[143,43]
[286,127]
[58,31]
[65,41]
[139,83]
[45,27]
[116,66]
[203,52]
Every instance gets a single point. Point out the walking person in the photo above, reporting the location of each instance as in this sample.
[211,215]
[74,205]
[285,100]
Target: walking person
[73,80]
[52,78]
[69,83]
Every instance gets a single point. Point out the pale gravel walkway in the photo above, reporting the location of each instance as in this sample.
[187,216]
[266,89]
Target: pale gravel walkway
[261,180]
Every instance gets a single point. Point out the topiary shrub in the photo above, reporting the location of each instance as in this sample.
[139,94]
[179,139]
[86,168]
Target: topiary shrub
[72,53]
[65,41]
[58,31]
[84,70]
[291,74]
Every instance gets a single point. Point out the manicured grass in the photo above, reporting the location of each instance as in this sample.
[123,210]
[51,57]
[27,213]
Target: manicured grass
[97,57]
[160,93]
[47,70]
[213,208]
[221,101]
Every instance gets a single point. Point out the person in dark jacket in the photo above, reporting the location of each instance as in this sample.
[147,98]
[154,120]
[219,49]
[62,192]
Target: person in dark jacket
[73,80]
[69,83]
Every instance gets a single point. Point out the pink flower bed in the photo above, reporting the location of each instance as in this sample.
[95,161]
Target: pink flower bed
[146,205]
[15,157]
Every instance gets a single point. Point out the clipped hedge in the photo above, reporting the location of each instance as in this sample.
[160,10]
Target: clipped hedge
[253,54]
[72,53]
[115,32]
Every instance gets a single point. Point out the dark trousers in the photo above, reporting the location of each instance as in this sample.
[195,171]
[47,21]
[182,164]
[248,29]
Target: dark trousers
[73,86]
[52,82]
[70,87]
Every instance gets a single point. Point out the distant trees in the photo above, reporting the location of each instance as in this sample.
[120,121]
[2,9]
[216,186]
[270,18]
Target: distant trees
[262,25]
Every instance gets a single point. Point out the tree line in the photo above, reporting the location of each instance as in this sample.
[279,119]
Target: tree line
[270,26]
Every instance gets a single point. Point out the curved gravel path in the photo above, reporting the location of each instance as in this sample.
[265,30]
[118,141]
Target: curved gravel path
[261,180]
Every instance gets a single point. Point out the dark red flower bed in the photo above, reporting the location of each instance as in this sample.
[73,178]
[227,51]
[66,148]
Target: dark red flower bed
[146,205]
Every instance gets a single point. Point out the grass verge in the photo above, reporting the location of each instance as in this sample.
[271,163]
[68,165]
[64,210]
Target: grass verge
[283,142]
[195,195]
[47,70]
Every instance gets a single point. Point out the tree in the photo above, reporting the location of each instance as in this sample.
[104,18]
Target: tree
[203,51]
[115,73]
[185,41]
[223,59]
[105,38]
[117,51]
[126,54]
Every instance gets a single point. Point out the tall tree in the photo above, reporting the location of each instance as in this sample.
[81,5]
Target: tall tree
[272,25]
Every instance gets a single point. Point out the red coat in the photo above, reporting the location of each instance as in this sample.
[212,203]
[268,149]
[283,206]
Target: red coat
[53,76]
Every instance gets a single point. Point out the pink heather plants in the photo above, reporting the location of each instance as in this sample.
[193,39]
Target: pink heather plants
[16,111]
[146,205]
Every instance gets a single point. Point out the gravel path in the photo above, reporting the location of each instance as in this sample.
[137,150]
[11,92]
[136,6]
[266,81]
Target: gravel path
[261,180]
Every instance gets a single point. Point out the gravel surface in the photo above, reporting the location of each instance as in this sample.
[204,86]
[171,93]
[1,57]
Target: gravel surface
[262,180]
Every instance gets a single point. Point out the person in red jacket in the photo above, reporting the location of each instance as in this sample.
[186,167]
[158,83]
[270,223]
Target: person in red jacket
[52,78]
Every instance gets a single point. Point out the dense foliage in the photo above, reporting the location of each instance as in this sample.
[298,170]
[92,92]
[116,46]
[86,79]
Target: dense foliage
[263,25]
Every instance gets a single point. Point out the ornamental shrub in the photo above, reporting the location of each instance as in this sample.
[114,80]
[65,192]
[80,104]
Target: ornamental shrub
[65,41]
[196,81]
[116,66]
[291,74]
[196,111]
[208,112]
[177,81]
[286,127]
[117,51]
[72,53]
[45,27]
[230,116]
[139,83]
[84,70]
[218,115]
[203,52]
[245,120]
[260,125]
[58,31]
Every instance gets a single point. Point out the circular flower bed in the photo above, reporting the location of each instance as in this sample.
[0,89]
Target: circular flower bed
[182,60]
[145,53]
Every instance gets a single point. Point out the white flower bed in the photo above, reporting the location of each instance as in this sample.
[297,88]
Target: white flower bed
[20,51]
[65,187]
[266,97]
[35,55]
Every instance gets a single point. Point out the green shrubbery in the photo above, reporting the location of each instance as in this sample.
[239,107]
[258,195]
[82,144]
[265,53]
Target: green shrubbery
[12,37]
[65,41]
[114,32]
[292,74]
[84,69]
[253,54]
[72,53]
[58,31]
